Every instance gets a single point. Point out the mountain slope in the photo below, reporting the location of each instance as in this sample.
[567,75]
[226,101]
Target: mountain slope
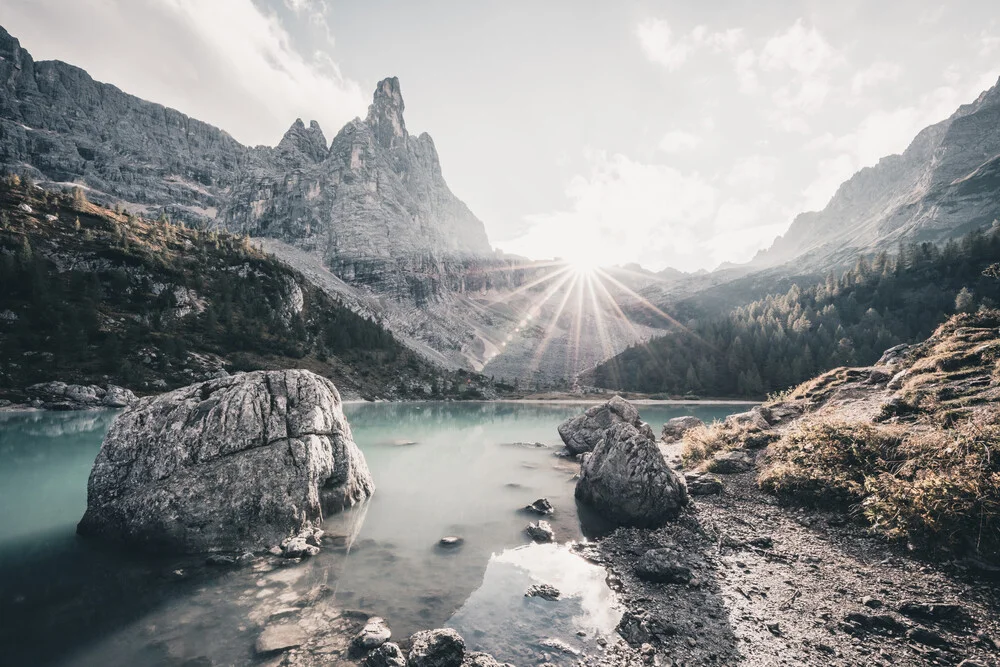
[942,186]
[92,296]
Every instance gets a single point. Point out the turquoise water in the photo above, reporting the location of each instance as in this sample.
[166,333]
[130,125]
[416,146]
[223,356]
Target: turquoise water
[460,469]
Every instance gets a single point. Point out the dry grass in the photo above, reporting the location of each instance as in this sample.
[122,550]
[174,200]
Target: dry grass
[703,442]
[934,487]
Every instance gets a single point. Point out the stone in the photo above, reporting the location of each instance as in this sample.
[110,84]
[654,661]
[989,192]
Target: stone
[436,648]
[540,531]
[541,506]
[298,547]
[661,566]
[544,591]
[870,602]
[235,463]
[731,462]
[62,396]
[375,633]
[480,659]
[583,433]
[935,611]
[626,480]
[755,418]
[220,560]
[276,638]
[386,655]
[675,428]
[703,484]
[894,355]
[451,542]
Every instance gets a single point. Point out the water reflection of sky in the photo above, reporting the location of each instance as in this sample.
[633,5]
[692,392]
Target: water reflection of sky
[499,619]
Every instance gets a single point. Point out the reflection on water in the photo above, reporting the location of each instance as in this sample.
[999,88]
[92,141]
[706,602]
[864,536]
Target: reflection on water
[499,619]
[440,468]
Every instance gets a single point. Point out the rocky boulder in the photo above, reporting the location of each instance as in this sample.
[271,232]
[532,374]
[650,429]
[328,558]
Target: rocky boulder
[732,462]
[235,463]
[386,655]
[627,480]
[62,396]
[583,433]
[675,428]
[437,648]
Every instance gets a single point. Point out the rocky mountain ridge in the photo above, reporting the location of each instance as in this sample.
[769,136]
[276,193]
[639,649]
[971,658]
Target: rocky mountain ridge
[941,187]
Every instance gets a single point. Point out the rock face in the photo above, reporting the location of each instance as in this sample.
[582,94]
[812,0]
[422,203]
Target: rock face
[940,187]
[675,429]
[62,396]
[627,480]
[437,648]
[240,462]
[582,434]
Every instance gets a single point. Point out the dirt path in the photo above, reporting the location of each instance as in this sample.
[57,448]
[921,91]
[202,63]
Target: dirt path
[777,585]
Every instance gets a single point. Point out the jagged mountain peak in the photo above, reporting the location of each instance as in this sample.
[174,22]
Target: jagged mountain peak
[385,115]
[310,142]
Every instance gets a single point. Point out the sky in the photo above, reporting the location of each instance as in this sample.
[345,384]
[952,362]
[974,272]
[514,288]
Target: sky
[682,134]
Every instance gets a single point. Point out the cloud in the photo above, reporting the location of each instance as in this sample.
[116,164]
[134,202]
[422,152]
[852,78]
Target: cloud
[753,172]
[679,141]
[988,43]
[874,74]
[625,211]
[661,47]
[227,62]
[656,40]
[799,49]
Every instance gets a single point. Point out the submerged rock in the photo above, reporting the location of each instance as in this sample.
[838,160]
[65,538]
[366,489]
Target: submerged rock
[625,479]
[240,462]
[437,648]
[544,591]
[541,506]
[451,542]
[540,531]
[583,433]
[675,428]
[282,637]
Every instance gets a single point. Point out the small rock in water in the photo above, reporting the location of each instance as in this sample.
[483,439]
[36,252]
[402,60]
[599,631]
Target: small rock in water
[540,531]
[298,547]
[451,542]
[386,655]
[280,638]
[558,645]
[480,659]
[541,506]
[544,591]
[660,566]
[375,633]
[437,648]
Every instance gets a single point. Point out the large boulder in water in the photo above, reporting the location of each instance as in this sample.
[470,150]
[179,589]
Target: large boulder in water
[626,480]
[62,396]
[583,433]
[239,462]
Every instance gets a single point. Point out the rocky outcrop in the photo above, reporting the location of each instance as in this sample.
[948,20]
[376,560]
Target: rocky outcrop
[241,462]
[675,428]
[437,648]
[940,187]
[583,433]
[62,396]
[627,480]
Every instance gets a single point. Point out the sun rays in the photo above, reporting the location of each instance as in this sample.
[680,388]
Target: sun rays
[570,315]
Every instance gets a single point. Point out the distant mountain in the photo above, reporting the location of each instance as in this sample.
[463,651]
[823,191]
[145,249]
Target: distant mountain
[942,186]
[369,218]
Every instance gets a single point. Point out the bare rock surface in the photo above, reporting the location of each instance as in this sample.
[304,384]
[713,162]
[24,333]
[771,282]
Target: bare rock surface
[62,396]
[583,433]
[437,648]
[240,462]
[675,428]
[627,480]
